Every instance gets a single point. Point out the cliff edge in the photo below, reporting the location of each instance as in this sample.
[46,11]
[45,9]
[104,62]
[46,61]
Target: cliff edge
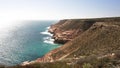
[86,42]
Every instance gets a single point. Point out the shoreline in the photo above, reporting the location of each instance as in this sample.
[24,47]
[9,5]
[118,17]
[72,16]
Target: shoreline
[48,40]
[86,29]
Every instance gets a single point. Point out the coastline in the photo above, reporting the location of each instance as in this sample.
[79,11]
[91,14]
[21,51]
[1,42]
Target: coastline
[86,29]
[48,40]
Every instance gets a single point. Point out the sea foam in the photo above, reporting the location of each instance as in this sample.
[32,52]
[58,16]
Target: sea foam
[48,38]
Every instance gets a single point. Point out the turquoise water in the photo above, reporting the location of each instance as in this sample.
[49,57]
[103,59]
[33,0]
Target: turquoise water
[25,41]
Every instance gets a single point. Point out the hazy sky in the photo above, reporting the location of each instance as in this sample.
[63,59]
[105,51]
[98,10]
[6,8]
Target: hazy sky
[58,9]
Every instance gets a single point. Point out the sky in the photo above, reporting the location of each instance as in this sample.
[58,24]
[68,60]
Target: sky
[57,9]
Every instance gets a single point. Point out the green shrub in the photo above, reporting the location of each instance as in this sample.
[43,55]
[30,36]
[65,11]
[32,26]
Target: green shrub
[87,65]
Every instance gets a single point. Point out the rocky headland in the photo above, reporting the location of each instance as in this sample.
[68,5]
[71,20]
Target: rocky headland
[66,30]
[87,43]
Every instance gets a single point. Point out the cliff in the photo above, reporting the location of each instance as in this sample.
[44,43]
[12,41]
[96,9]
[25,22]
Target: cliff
[86,42]
[66,30]
[85,37]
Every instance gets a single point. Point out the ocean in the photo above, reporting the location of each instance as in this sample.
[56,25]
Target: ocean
[25,41]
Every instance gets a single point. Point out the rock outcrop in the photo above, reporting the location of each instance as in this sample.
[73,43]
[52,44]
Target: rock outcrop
[82,38]
[85,37]
[66,30]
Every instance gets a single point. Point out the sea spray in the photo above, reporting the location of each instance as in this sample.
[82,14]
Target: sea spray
[48,39]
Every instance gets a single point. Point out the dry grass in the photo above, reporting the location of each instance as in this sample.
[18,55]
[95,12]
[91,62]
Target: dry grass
[100,36]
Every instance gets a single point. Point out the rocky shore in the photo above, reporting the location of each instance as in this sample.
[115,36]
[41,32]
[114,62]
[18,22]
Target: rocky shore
[82,38]
[62,35]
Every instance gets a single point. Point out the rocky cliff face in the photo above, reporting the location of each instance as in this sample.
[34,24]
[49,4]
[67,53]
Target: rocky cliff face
[66,30]
[83,38]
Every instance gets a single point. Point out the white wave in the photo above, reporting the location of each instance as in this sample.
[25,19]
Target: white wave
[46,32]
[48,40]
[48,27]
